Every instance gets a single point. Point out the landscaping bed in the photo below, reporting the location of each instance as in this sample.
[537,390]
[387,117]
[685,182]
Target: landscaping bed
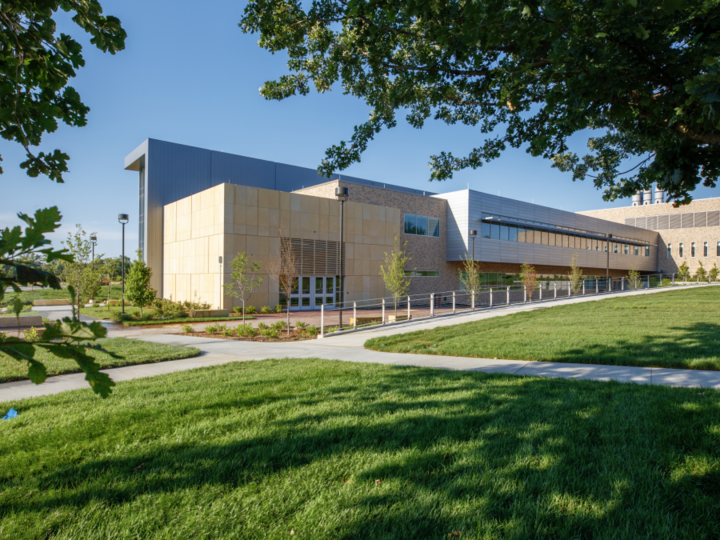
[295,335]
[151,317]
[676,329]
[306,448]
[264,332]
[131,352]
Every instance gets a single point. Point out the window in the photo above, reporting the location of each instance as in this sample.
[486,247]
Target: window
[615,248]
[718,250]
[692,249]
[495,232]
[422,273]
[484,230]
[669,251]
[428,226]
[504,232]
[680,250]
[513,234]
[627,249]
[705,250]
[647,251]
[636,250]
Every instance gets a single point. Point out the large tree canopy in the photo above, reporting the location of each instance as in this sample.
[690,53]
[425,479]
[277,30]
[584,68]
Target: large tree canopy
[35,66]
[643,74]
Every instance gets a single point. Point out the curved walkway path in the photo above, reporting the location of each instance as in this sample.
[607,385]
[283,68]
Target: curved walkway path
[349,347]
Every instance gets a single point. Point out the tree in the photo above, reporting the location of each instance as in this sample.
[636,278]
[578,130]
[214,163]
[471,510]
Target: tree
[138,289]
[470,276]
[642,75]
[284,270]
[576,275]
[68,338]
[683,271]
[393,272]
[634,279]
[529,279]
[701,273]
[246,278]
[80,273]
[38,62]
[713,274]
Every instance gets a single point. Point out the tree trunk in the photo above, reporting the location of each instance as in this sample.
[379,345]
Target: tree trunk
[243,303]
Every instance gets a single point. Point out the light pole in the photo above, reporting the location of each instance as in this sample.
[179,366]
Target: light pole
[473,234]
[123,219]
[93,241]
[341,194]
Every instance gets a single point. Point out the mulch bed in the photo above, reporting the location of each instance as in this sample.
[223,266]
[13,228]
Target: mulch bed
[295,335]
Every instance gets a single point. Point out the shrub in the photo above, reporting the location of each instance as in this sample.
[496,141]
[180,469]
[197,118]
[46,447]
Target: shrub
[215,328]
[238,310]
[280,325]
[271,332]
[265,309]
[250,310]
[262,326]
[119,316]
[31,334]
[279,308]
[301,325]
[169,309]
[147,317]
[313,330]
[228,332]
[246,330]
[187,328]
[666,282]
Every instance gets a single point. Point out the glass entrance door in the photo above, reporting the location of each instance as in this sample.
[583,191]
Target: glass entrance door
[312,292]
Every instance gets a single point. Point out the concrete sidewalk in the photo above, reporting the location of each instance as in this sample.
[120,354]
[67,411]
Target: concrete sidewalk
[349,348]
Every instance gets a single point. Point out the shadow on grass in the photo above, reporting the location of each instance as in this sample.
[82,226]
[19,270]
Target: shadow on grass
[488,455]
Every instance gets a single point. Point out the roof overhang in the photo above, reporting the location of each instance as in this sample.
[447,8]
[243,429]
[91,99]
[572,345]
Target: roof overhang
[135,159]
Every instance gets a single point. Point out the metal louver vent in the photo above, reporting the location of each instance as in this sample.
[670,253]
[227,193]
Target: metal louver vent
[641,222]
[316,257]
[652,223]
[687,221]
[713,218]
[663,222]
[630,221]
[700,219]
[675,221]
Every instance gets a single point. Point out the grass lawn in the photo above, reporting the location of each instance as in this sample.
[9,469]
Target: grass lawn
[22,314]
[132,352]
[334,450]
[678,329]
[60,294]
[103,313]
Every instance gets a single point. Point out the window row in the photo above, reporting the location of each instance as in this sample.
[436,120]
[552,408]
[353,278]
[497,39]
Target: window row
[559,228]
[693,252]
[530,236]
[422,273]
[422,225]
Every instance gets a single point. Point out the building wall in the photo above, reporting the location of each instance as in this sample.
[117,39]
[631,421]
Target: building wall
[425,252]
[674,236]
[228,219]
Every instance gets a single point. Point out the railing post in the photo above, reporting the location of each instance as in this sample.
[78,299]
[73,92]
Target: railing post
[354,315]
[597,286]
[508,296]
[583,287]
[555,290]
[569,289]
[525,294]
[383,311]
[648,281]
[540,291]
[322,320]
[673,280]
[491,297]
[453,302]
[432,304]
[472,300]
[408,308]
[622,283]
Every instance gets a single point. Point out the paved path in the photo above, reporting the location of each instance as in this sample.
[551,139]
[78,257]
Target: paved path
[349,348]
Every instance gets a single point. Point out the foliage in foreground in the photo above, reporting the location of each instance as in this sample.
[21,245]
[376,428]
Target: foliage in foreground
[632,331]
[115,352]
[643,75]
[337,450]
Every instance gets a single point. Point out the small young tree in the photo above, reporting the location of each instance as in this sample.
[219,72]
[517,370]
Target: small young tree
[634,279]
[713,274]
[284,270]
[246,278]
[683,271]
[529,279]
[470,276]
[576,275]
[80,273]
[137,285]
[393,272]
[701,273]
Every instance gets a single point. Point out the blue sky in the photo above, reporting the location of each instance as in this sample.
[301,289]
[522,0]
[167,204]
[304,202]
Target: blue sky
[190,75]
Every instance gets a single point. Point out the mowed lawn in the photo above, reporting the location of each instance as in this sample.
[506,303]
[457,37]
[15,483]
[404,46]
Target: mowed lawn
[678,329]
[127,351]
[332,450]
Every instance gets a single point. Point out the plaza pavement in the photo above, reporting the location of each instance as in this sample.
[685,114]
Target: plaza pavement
[349,347]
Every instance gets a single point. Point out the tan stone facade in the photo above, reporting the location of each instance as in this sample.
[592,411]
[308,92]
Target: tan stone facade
[674,237]
[204,232]
[425,252]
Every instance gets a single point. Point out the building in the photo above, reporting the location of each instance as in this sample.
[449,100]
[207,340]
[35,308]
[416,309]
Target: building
[199,208]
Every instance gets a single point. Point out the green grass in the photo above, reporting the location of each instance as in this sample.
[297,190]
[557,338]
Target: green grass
[678,329]
[27,297]
[103,313]
[336,450]
[131,352]
[231,318]
[22,314]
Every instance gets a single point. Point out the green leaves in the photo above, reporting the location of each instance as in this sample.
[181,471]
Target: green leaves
[524,75]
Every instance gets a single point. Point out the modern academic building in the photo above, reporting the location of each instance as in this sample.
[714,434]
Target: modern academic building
[198,208]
